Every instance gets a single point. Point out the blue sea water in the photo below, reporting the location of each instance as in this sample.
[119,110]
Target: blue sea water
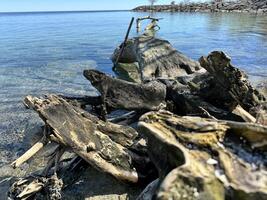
[46,53]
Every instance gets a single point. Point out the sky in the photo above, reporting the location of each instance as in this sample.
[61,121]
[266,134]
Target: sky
[71,5]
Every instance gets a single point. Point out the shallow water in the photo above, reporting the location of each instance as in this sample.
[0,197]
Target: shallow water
[47,52]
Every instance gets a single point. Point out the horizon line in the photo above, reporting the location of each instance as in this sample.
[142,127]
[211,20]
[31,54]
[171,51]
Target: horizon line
[61,11]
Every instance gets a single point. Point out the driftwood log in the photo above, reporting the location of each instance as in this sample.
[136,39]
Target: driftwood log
[198,161]
[102,144]
[120,94]
[155,58]
[228,85]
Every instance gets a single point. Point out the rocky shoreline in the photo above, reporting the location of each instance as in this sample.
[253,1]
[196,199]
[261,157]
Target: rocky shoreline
[241,6]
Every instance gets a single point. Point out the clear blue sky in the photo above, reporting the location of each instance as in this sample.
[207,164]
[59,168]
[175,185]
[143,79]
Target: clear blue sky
[63,5]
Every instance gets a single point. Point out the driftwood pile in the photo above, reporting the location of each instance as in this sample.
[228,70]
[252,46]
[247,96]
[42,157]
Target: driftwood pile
[189,130]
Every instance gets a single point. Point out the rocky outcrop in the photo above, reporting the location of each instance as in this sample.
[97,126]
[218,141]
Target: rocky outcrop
[251,6]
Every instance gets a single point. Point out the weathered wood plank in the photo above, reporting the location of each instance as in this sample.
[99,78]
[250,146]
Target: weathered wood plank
[102,144]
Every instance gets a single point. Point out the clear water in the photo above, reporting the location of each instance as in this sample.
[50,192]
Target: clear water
[47,52]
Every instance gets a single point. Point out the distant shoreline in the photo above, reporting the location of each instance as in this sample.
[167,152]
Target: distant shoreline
[255,8]
[74,11]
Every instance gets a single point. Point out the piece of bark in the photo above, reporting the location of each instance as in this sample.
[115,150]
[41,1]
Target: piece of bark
[121,94]
[229,85]
[196,162]
[30,153]
[244,114]
[101,144]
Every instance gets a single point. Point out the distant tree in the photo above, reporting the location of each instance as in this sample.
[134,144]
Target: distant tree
[173,3]
[152,2]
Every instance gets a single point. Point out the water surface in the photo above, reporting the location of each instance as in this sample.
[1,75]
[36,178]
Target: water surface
[47,52]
